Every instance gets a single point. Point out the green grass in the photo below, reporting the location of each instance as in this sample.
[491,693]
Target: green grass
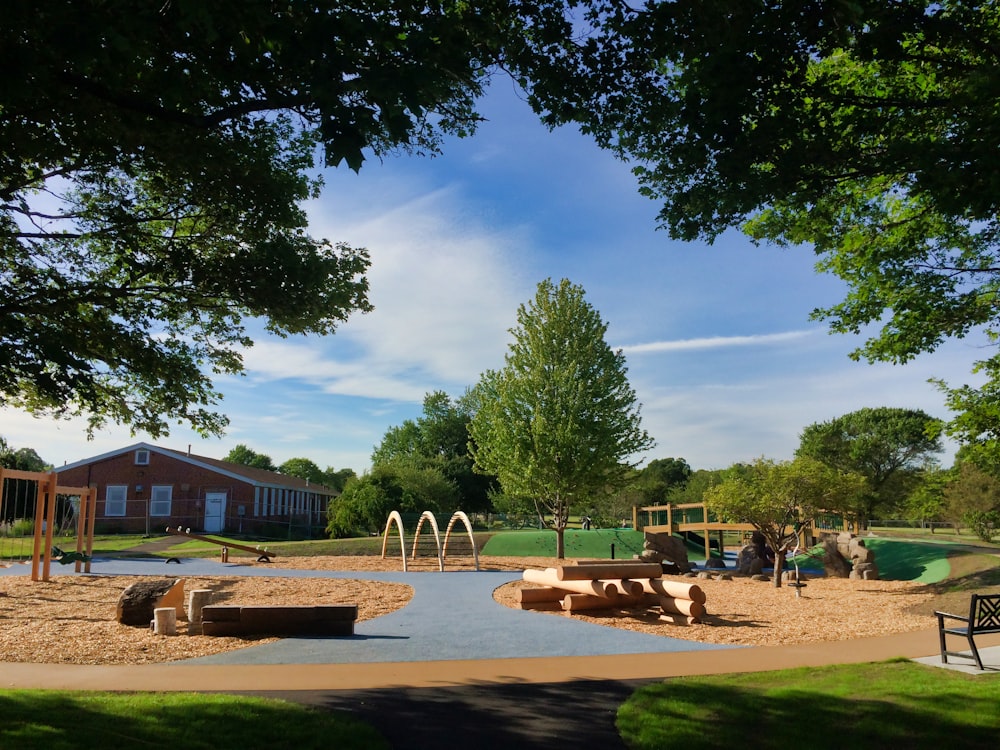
[52,720]
[595,543]
[888,704]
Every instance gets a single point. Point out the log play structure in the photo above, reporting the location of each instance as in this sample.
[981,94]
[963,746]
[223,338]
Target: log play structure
[606,584]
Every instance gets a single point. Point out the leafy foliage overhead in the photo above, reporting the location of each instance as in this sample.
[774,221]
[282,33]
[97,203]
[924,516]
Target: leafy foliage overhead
[154,159]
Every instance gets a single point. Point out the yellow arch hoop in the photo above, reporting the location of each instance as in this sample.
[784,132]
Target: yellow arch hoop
[459,515]
[394,516]
[427,515]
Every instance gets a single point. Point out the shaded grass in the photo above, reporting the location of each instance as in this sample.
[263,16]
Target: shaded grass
[887,704]
[50,720]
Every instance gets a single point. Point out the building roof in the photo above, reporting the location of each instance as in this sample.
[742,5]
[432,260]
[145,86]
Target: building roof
[249,474]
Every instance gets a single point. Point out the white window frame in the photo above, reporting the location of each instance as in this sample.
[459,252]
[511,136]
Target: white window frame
[115,499]
[160,506]
[142,457]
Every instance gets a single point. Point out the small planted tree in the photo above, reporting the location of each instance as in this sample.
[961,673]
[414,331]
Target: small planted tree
[777,497]
[558,421]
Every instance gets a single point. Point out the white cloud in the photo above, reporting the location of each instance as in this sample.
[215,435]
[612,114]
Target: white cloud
[716,342]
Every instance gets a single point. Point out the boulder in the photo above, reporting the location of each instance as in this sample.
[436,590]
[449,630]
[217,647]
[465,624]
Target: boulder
[715,562]
[137,602]
[665,549]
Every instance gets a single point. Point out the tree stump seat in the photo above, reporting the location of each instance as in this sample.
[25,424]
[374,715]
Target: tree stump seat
[279,620]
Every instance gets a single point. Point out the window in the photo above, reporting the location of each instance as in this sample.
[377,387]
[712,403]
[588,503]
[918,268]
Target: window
[159,500]
[114,500]
[142,457]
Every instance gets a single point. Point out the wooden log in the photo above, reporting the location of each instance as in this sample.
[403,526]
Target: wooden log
[165,621]
[548,577]
[609,570]
[675,589]
[675,619]
[580,602]
[682,606]
[627,587]
[546,594]
[542,606]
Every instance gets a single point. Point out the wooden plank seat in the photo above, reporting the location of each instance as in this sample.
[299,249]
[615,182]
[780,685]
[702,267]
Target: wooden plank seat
[279,620]
[984,617]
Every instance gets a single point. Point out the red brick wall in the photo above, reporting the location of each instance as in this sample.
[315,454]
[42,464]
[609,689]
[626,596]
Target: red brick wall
[189,483]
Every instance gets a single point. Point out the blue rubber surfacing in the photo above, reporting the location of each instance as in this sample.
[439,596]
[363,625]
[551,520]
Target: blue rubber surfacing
[451,616]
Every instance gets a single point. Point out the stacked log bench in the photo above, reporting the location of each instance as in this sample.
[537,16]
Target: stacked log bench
[603,584]
[279,620]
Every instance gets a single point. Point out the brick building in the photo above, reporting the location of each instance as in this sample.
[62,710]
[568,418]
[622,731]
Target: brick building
[144,489]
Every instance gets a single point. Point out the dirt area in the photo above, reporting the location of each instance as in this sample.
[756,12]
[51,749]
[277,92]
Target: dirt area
[71,619]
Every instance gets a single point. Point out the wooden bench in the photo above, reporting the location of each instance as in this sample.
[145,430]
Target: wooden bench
[280,620]
[984,617]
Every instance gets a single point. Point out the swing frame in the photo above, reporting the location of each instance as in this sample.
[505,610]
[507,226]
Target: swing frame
[45,515]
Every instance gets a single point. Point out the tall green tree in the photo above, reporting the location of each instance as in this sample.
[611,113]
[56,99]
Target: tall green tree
[776,498]
[558,421]
[972,498]
[241,454]
[661,475]
[888,446]
[865,130]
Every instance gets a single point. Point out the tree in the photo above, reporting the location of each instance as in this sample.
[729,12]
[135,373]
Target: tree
[973,498]
[153,163]
[366,502]
[776,498]
[660,476]
[243,455]
[22,459]
[865,130]
[439,439]
[888,446]
[303,468]
[557,422]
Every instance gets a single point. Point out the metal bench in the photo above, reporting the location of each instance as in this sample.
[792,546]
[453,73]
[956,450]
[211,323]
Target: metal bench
[984,617]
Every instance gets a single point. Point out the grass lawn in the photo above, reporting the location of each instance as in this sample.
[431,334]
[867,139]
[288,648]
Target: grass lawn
[896,704]
[51,720]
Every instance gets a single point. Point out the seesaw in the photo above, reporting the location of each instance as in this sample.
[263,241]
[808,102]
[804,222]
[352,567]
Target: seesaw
[264,555]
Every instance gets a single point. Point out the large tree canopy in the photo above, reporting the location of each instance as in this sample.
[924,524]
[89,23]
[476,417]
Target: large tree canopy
[557,422]
[153,162]
[888,446]
[866,129]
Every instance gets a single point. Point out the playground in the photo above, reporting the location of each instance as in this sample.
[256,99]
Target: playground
[70,619]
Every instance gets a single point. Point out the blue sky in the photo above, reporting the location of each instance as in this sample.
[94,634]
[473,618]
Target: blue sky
[719,345]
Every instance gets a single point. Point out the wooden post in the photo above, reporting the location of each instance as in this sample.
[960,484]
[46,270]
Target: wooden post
[165,621]
[198,599]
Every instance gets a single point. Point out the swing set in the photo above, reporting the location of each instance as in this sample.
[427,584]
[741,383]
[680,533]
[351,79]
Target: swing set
[19,490]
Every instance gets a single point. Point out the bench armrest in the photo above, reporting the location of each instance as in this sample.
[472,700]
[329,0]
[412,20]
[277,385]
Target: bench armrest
[942,615]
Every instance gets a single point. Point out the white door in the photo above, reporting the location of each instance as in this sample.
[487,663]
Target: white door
[215,511]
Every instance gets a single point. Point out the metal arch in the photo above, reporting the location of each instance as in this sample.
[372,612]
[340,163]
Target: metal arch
[394,516]
[460,515]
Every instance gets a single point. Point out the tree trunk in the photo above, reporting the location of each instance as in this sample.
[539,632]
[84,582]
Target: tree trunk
[779,565]
[560,542]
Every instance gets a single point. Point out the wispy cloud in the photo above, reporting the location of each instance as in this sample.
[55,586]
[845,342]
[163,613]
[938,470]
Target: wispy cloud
[716,342]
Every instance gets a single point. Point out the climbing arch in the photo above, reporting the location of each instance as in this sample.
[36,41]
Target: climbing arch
[457,516]
[428,516]
[394,517]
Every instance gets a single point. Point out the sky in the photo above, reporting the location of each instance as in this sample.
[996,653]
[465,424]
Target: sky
[720,348]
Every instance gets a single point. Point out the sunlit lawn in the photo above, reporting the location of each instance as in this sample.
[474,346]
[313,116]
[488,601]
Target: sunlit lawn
[897,704]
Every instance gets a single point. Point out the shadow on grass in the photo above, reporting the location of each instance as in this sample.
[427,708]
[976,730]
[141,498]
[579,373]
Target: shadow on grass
[49,720]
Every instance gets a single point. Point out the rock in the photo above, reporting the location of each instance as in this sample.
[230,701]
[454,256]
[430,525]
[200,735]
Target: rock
[665,548]
[137,602]
[865,571]
[760,577]
[715,562]
[725,576]
[835,563]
